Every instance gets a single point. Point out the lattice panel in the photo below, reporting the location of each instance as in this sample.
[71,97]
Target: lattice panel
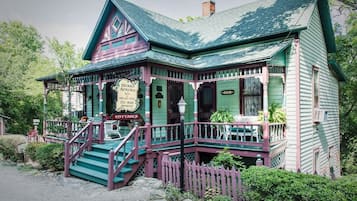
[133,73]
[155,164]
[141,171]
[87,79]
[278,161]
[188,156]
[230,73]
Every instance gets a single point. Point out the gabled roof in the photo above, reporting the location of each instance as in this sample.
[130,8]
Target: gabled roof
[251,22]
[244,54]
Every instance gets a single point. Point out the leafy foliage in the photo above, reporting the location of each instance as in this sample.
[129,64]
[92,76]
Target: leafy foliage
[228,160]
[276,114]
[346,56]
[261,183]
[174,194]
[222,116]
[51,156]
[31,149]
[8,146]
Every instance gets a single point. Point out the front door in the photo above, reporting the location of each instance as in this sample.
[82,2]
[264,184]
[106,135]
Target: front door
[174,93]
[206,101]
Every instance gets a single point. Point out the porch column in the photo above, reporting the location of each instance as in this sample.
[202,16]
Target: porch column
[149,166]
[266,144]
[45,93]
[100,91]
[196,86]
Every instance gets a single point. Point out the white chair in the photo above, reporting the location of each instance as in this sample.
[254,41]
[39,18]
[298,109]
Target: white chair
[111,127]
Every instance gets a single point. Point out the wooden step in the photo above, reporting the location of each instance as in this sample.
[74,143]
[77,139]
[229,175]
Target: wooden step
[103,157]
[98,165]
[92,175]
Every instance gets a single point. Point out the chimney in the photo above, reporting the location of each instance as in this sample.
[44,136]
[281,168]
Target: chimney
[208,8]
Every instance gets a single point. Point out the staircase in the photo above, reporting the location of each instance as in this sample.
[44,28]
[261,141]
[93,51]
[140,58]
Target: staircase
[93,165]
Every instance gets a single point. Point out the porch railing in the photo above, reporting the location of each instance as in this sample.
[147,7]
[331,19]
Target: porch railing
[277,132]
[65,130]
[75,146]
[170,134]
[126,150]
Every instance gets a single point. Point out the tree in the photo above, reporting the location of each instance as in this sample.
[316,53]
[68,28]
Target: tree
[66,57]
[346,56]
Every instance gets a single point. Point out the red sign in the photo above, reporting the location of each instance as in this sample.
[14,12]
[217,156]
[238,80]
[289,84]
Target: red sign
[125,116]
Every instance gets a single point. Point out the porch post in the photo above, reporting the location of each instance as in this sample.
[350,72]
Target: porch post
[45,93]
[266,144]
[196,85]
[146,74]
[100,91]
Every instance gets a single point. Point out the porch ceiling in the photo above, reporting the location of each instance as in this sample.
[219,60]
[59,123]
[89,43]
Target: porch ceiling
[248,54]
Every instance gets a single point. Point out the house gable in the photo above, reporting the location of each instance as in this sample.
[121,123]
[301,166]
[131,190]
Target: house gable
[114,37]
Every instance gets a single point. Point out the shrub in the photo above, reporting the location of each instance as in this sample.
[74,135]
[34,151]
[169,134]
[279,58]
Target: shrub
[174,194]
[261,183]
[32,148]
[347,185]
[8,146]
[51,156]
[228,160]
[221,198]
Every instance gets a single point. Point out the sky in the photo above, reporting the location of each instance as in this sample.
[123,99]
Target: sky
[74,20]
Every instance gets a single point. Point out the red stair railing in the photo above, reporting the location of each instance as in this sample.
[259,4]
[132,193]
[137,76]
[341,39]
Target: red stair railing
[75,146]
[115,166]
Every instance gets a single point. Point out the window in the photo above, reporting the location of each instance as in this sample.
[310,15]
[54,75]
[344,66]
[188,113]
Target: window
[316,85]
[316,161]
[251,96]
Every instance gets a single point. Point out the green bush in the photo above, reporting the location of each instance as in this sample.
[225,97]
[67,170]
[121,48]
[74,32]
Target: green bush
[174,194]
[32,148]
[261,183]
[8,146]
[228,160]
[221,198]
[51,156]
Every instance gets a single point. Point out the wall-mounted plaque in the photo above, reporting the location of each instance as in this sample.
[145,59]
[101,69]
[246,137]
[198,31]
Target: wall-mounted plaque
[227,92]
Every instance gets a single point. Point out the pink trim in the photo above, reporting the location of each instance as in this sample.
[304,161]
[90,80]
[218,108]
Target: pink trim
[298,121]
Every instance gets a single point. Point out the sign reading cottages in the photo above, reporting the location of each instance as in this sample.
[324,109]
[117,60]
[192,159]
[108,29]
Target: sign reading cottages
[127,95]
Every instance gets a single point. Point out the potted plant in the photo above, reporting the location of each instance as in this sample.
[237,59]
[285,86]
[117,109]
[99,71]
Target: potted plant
[276,114]
[222,116]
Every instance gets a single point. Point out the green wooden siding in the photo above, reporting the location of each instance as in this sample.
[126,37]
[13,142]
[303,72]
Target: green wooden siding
[313,53]
[276,91]
[89,100]
[189,97]
[95,98]
[230,102]
[159,115]
[278,59]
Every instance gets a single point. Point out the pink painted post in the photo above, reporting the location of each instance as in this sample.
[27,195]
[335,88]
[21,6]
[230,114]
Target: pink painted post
[195,109]
[110,184]
[90,136]
[136,143]
[164,169]
[266,136]
[66,158]
[149,164]
[234,183]
[101,132]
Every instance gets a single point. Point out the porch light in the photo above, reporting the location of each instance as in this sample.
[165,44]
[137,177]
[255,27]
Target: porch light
[181,106]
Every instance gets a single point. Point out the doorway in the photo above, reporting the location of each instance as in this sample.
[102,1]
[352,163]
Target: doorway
[206,101]
[174,93]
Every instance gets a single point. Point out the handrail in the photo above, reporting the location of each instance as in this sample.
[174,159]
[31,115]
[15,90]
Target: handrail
[113,167]
[75,146]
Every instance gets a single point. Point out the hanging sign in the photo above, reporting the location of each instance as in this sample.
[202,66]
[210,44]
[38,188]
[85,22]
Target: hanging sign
[127,95]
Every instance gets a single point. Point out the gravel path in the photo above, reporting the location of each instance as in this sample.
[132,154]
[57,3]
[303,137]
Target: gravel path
[33,185]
